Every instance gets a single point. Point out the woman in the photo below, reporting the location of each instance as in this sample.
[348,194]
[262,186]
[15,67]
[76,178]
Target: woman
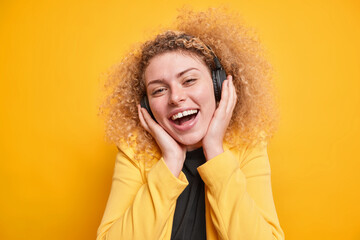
[192,161]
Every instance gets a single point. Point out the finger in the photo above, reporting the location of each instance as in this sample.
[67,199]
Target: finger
[142,120]
[224,95]
[154,128]
[230,93]
[149,121]
[230,105]
[235,96]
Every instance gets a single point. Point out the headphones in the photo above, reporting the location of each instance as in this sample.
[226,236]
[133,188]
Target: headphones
[218,77]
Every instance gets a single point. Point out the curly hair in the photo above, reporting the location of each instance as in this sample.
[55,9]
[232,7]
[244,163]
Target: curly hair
[255,116]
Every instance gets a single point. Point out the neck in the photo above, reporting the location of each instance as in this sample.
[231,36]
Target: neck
[190,148]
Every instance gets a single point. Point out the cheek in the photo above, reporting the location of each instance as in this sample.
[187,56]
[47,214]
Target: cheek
[158,108]
[206,97]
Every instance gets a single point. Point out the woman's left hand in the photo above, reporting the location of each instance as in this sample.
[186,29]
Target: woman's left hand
[213,141]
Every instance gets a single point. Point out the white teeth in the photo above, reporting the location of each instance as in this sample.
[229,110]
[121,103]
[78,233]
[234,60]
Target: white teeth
[183,114]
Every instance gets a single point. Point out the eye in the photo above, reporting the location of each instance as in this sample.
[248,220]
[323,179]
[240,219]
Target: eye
[158,91]
[189,81]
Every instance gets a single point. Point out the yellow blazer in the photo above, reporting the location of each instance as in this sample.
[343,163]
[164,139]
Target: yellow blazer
[238,198]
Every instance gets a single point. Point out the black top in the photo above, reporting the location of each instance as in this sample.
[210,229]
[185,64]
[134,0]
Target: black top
[189,217]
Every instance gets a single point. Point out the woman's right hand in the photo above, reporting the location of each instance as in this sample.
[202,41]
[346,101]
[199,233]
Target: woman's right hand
[173,153]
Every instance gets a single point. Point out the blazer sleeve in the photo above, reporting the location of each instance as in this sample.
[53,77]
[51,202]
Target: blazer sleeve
[240,195]
[137,208]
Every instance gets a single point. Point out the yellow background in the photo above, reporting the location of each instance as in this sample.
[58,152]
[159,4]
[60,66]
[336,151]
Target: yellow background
[56,168]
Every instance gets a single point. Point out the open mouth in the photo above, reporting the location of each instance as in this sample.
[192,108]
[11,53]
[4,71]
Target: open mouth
[183,117]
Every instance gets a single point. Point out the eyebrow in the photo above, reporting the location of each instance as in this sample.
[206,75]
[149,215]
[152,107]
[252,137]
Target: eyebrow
[177,75]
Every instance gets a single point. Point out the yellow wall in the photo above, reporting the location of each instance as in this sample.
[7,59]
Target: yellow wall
[56,169]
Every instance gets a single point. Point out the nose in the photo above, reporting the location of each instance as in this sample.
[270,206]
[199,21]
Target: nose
[177,95]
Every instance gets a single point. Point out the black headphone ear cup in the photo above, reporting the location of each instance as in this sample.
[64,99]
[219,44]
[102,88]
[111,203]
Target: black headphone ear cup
[215,84]
[144,103]
[218,76]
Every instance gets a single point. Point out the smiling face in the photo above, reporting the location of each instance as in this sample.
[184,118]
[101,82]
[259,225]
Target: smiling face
[181,96]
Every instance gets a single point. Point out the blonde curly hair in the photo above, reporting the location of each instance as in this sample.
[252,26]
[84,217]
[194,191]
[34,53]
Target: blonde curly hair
[255,116]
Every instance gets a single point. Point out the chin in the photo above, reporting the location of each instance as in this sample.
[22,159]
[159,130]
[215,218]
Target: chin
[191,140]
